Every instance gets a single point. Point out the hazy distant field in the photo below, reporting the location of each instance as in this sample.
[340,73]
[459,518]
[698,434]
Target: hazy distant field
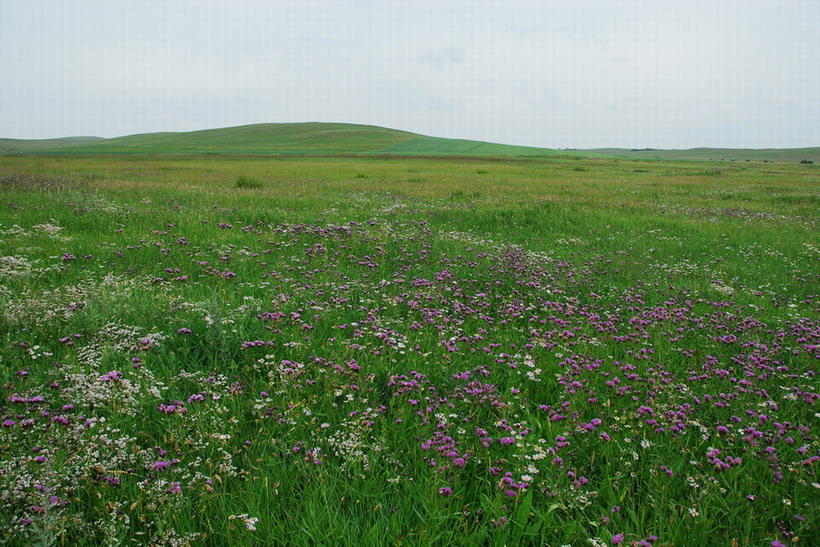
[408,351]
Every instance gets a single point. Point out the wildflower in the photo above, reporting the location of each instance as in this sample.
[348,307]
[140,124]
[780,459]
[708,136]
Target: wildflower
[693,512]
[248,521]
[445,491]
[617,538]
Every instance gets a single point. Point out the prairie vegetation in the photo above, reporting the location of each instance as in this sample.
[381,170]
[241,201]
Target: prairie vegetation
[374,351]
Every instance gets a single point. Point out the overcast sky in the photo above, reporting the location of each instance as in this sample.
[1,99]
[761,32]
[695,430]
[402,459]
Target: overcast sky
[552,73]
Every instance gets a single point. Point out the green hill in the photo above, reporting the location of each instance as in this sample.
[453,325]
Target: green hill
[305,139]
[259,139]
[287,139]
[435,146]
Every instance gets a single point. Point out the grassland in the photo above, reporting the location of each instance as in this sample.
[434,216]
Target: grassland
[794,155]
[20,146]
[340,139]
[408,351]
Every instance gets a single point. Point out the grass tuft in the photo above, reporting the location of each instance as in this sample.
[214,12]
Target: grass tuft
[248,183]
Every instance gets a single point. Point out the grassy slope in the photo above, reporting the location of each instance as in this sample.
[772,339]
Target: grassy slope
[297,139]
[291,139]
[285,139]
[435,146]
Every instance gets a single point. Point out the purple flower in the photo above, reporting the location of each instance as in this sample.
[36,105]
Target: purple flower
[160,465]
[617,538]
[507,440]
[445,491]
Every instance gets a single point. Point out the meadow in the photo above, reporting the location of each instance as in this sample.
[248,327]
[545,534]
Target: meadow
[343,350]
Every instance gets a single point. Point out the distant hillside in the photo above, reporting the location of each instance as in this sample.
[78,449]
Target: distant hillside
[718,154]
[287,139]
[16,146]
[435,146]
[305,139]
[259,139]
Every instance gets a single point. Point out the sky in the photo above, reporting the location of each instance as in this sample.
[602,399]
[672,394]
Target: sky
[547,73]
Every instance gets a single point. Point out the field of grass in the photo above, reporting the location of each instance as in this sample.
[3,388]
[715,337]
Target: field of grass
[408,351]
[341,139]
[793,155]
[20,146]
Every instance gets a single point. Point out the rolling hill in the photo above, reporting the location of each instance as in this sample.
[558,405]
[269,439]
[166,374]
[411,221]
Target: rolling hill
[258,139]
[338,139]
[283,139]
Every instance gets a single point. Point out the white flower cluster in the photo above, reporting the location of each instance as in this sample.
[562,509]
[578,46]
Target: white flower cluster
[248,521]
